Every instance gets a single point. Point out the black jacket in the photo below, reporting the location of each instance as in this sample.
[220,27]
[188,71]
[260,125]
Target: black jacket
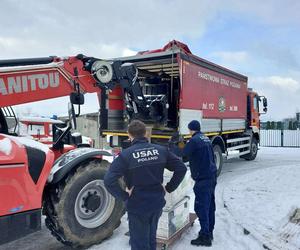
[200,154]
[142,166]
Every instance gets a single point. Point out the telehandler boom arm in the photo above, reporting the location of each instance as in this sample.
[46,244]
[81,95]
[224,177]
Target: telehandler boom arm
[29,80]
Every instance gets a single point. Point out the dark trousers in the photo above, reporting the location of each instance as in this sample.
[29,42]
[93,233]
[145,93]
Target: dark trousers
[142,229]
[205,206]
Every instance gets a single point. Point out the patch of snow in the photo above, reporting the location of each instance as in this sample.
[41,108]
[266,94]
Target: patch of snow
[29,143]
[111,158]
[39,120]
[5,146]
[75,134]
[87,140]
[263,202]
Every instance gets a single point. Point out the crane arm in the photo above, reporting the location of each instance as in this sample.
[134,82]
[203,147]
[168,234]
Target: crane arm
[29,80]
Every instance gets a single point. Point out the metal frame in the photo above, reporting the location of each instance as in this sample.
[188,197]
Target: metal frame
[8,112]
[240,146]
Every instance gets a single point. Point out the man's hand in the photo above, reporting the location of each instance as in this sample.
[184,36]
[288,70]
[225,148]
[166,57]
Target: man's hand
[129,191]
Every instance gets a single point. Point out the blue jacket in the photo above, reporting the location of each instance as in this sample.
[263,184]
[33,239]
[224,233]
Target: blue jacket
[200,154]
[142,166]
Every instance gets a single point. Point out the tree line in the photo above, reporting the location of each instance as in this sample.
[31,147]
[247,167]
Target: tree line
[293,125]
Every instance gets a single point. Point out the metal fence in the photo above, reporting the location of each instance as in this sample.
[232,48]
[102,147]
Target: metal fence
[280,138]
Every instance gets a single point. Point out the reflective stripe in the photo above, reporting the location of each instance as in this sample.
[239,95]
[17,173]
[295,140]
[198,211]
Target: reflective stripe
[18,165]
[125,134]
[232,132]
[184,136]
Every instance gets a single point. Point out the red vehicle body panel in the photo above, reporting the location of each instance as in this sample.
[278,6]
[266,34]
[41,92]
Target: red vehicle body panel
[116,99]
[35,84]
[216,94]
[17,188]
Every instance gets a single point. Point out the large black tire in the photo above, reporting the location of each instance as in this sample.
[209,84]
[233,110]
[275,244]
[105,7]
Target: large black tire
[79,211]
[218,158]
[253,150]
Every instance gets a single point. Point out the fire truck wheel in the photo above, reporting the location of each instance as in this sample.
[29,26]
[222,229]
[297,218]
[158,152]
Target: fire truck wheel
[218,158]
[82,212]
[253,151]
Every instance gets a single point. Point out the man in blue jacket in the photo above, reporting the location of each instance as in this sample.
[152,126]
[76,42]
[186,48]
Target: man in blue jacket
[200,154]
[142,166]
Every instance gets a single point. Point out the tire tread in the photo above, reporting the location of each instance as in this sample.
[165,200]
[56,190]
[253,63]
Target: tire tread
[54,205]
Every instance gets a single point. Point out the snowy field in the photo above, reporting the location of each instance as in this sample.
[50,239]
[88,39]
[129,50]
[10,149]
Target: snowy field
[256,202]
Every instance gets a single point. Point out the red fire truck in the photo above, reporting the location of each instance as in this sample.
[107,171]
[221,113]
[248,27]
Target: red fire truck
[186,87]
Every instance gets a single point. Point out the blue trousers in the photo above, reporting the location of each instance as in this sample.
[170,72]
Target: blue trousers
[142,230]
[205,206]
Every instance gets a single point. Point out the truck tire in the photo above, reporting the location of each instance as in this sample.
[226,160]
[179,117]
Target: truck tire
[218,158]
[79,211]
[253,150]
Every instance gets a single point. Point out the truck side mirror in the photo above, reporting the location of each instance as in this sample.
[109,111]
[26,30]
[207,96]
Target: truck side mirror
[77,98]
[265,102]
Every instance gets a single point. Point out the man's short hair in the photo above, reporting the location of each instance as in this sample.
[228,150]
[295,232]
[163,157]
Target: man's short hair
[194,125]
[137,129]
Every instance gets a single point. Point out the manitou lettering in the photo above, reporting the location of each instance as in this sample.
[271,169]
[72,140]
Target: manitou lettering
[22,84]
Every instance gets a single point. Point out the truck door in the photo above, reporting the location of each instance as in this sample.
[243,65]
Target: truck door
[254,110]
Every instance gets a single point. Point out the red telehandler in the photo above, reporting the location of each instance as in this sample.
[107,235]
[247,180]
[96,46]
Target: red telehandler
[66,186]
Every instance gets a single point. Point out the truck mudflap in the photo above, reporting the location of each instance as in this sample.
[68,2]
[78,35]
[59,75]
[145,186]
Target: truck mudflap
[15,226]
[64,164]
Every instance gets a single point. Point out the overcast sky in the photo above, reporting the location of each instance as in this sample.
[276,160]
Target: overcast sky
[260,39]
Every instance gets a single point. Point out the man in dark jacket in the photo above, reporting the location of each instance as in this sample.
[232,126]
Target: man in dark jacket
[142,166]
[200,154]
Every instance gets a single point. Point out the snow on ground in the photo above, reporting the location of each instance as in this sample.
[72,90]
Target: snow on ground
[254,203]
[5,146]
[264,201]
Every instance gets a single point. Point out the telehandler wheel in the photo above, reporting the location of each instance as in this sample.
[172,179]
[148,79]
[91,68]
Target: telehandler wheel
[253,150]
[81,212]
[218,158]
